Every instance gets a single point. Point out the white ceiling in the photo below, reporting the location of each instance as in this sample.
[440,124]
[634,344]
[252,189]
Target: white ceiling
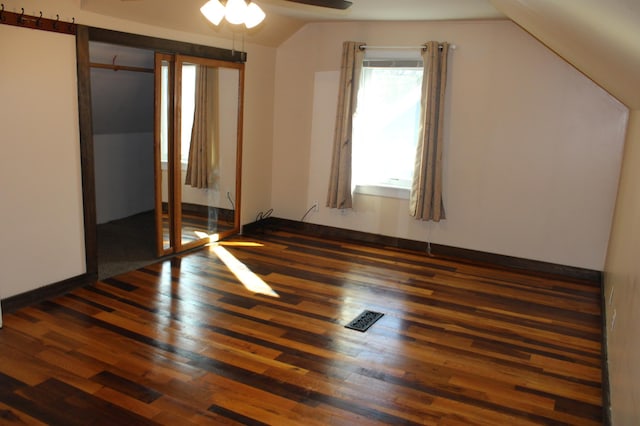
[389,10]
[599,37]
[284,17]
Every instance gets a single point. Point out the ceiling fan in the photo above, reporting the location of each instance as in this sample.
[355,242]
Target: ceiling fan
[332,4]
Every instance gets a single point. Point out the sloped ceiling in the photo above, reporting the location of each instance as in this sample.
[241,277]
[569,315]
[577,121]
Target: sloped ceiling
[600,38]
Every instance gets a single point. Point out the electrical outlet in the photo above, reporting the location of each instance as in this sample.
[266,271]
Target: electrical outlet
[316,206]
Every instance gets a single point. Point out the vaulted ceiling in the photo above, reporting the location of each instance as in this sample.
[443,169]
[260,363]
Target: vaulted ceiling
[600,38]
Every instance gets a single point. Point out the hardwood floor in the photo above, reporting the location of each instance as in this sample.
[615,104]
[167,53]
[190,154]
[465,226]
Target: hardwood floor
[183,342]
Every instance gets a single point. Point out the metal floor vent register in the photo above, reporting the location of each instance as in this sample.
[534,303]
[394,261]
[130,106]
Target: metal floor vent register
[365,320]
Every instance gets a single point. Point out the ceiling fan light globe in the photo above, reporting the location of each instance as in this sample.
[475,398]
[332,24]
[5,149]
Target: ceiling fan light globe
[213,10]
[236,11]
[255,15]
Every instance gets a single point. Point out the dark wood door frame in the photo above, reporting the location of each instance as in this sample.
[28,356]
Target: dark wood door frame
[84,35]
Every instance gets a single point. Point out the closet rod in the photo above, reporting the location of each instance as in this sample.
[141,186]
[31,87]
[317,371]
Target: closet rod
[120,67]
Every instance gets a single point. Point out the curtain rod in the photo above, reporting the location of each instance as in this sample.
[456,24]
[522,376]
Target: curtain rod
[422,46]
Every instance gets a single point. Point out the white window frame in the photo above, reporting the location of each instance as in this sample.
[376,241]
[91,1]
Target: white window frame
[388,58]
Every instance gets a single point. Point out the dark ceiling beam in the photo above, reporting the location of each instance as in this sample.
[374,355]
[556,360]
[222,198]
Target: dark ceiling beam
[333,4]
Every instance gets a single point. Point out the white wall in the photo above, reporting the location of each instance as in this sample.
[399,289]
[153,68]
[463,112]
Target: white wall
[41,222]
[124,175]
[533,148]
[257,149]
[622,287]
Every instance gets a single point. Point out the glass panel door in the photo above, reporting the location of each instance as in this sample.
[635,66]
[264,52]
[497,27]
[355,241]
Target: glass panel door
[198,150]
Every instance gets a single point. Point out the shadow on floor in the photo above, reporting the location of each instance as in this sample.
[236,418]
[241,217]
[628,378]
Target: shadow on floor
[126,244]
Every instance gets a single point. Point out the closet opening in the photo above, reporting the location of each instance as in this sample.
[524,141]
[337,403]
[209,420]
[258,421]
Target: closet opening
[121,159]
[122,103]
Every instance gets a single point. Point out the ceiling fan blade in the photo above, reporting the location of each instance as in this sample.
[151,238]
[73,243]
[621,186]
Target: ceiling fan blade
[333,4]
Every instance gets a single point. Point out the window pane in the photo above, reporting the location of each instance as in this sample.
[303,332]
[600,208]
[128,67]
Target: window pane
[188,107]
[386,124]
[164,108]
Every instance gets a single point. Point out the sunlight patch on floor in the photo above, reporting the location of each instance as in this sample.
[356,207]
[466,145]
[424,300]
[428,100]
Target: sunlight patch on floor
[250,280]
[240,244]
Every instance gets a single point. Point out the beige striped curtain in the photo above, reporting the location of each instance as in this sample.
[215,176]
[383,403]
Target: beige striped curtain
[204,140]
[339,194]
[426,190]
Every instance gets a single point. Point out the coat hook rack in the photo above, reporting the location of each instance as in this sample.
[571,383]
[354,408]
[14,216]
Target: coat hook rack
[36,22]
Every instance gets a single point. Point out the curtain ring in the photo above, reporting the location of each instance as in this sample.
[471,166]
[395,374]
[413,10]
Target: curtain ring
[55,24]
[2,13]
[20,20]
[39,19]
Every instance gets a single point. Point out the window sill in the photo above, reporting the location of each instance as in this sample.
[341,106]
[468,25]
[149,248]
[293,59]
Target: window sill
[383,191]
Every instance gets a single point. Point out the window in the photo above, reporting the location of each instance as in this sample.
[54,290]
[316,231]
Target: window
[188,106]
[386,123]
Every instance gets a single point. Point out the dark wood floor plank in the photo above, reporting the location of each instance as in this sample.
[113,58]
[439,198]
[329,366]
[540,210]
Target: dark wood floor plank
[10,416]
[185,342]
